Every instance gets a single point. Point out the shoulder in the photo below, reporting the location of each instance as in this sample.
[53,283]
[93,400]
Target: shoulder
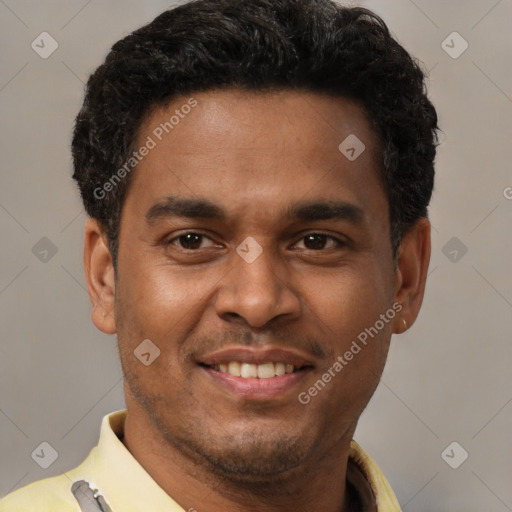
[48,494]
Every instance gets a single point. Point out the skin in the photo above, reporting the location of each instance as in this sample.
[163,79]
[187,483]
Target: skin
[253,154]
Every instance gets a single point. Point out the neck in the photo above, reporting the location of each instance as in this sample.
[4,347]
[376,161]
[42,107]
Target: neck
[318,483]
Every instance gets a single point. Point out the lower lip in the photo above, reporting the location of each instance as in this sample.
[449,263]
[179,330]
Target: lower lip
[257,389]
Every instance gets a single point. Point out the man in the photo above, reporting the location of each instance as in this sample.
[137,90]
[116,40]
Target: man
[257,176]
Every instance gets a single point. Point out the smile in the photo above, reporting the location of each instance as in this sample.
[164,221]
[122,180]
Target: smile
[263,373]
[255,371]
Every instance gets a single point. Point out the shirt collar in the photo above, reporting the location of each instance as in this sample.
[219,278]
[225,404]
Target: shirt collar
[384,497]
[126,485]
[117,475]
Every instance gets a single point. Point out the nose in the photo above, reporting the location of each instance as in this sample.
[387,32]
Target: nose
[257,290]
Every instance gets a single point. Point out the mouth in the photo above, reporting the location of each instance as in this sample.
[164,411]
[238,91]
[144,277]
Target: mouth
[255,371]
[256,374]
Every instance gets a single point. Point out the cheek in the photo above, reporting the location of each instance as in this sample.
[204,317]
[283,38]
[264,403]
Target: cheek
[348,312]
[352,300]
[163,303]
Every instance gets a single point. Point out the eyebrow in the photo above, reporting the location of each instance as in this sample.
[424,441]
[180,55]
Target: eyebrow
[304,211]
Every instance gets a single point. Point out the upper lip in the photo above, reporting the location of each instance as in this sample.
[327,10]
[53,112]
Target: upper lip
[256,356]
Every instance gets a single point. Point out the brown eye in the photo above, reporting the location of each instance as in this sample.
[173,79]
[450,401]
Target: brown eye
[318,241]
[189,241]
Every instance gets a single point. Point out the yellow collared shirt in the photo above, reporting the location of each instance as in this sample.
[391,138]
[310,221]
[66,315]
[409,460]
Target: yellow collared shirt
[127,487]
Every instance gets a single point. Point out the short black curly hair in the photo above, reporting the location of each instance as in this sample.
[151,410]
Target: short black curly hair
[259,45]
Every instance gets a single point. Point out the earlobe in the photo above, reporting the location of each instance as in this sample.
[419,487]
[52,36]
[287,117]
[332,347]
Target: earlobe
[99,273]
[400,326]
[412,265]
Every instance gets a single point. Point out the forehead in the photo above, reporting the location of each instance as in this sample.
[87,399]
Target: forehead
[257,148]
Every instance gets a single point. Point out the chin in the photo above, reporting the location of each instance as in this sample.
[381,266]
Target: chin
[249,457]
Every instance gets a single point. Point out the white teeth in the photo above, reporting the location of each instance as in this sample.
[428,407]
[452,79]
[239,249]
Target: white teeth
[252,371]
[234,368]
[280,369]
[248,371]
[266,371]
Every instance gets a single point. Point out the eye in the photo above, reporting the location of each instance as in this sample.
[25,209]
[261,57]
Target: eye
[189,241]
[317,241]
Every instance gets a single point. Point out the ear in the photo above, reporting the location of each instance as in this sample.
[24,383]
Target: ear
[99,274]
[411,274]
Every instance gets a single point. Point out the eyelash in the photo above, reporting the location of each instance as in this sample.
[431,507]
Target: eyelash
[339,243]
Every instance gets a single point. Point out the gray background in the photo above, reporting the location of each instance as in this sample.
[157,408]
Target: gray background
[448,379]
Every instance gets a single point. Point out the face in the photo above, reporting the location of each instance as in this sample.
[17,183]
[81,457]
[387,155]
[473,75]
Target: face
[251,243]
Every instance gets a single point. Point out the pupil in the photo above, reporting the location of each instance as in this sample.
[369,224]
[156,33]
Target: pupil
[318,241]
[193,241]
[188,241]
